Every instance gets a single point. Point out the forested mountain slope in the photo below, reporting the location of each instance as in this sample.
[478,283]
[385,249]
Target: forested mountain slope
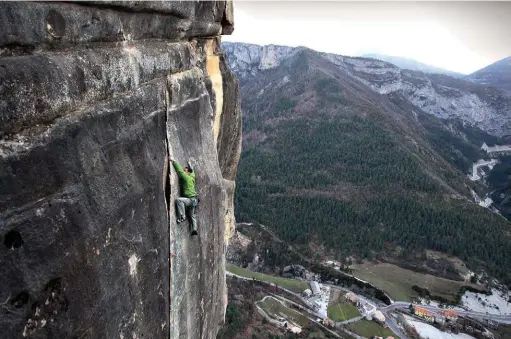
[336,167]
[497,74]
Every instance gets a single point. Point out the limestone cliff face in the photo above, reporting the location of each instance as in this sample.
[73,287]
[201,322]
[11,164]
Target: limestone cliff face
[94,97]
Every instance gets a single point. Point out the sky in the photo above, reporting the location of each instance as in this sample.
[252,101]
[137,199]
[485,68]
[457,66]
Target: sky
[457,36]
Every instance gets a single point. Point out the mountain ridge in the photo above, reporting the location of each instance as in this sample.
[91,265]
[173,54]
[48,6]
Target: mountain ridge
[440,95]
[411,64]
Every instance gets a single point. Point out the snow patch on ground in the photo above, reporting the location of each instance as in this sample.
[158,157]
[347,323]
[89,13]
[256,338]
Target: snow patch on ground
[429,332]
[284,80]
[481,163]
[320,301]
[486,202]
[325,299]
[496,303]
[496,148]
[431,303]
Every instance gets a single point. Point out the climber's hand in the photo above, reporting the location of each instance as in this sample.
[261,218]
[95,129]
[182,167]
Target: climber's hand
[171,159]
[191,162]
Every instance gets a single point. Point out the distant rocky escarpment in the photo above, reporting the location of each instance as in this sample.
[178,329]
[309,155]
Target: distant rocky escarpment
[95,97]
[484,106]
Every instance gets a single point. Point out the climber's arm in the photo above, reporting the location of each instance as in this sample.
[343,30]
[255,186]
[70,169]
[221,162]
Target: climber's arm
[191,165]
[177,167]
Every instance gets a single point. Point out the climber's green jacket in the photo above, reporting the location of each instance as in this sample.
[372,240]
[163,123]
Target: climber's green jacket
[187,180]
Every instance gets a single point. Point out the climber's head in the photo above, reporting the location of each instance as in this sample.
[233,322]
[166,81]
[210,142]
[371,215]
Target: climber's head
[187,170]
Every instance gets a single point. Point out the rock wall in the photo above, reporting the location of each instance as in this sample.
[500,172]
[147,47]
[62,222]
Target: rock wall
[94,97]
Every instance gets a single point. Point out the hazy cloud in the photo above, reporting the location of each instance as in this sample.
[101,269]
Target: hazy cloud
[461,36]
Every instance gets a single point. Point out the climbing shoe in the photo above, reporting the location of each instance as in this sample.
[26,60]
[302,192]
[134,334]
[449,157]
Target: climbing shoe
[194,232]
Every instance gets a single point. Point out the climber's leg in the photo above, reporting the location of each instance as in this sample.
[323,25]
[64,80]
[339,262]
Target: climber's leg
[181,204]
[193,216]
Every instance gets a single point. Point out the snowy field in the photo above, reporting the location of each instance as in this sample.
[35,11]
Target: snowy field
[325,299]
[321,301]
[496,303]
[429,332]
[431,303]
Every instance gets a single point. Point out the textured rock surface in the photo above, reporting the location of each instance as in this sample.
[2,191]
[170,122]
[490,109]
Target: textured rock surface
[440,95]
[248,59]
[94,97]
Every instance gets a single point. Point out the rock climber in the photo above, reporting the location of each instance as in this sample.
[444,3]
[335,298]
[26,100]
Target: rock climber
[188,199]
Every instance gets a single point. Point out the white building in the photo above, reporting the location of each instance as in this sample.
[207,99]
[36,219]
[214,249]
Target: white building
[307,293]
[351,297]
[315,287]
[294,328]
[378,316]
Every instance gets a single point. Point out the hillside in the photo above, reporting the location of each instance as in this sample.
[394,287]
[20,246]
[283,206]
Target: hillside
[497,74]
[406,63]
[338,168]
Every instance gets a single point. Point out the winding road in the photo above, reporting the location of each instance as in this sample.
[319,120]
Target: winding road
[503,319]
[481,163]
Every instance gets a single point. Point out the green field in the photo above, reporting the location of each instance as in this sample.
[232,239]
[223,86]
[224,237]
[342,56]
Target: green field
[342,312]
[397,282]
[274,308]
[368,329]
[290,284]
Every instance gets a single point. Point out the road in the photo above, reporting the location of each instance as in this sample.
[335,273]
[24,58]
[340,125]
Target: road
[393,326]
[481,163]
[504,319]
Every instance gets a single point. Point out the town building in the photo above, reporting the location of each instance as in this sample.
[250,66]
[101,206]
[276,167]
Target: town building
[351,297]
[316,290]
[307,293]
[438,318]
[379,317]
[422,313]
[327,322]
[450,315]
[293,328]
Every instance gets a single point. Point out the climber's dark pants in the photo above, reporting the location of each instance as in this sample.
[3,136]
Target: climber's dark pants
[182,204]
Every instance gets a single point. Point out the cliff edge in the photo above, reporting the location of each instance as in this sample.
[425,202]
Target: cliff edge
[94,98]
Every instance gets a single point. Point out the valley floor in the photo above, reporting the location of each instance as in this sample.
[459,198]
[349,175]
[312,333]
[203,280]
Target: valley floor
[398,282]
[296,314]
